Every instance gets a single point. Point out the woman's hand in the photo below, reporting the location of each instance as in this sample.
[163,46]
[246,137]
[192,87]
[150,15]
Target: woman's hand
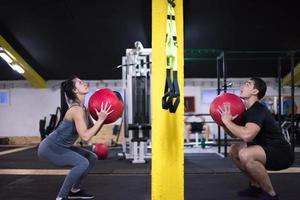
[104,112]
[225,113]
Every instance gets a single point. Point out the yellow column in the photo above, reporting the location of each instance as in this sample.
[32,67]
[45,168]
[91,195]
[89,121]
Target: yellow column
[167,128]
[30,74]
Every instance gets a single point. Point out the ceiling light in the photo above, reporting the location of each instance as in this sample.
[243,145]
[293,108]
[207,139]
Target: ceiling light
[12,57]
[17,68]
[5,57]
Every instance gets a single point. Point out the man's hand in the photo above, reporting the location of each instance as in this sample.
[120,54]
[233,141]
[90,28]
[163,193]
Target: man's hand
[225,113]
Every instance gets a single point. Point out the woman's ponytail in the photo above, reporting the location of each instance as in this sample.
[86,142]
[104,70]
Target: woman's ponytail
[63,101]
[66,94]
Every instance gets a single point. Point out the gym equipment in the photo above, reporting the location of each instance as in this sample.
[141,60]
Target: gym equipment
[106,96]
[116,131]
[285,127]
[53,123]
[101,150]
[139,141]
[136,76]
[237,107]
[171,98]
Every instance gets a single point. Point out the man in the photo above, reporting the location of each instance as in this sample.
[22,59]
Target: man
[263,148]
[194,124]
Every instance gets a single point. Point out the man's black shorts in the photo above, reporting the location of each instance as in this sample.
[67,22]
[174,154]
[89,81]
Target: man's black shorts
[197,127]
[279,156]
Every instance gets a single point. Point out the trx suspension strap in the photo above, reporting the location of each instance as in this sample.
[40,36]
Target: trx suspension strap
[171,98]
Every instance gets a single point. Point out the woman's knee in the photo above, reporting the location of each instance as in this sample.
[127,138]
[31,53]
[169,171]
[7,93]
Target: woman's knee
[92,158]
[83,164]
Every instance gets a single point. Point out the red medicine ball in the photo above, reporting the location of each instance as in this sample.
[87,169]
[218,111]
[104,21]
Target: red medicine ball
[112,98]
[101,150]
[237,107]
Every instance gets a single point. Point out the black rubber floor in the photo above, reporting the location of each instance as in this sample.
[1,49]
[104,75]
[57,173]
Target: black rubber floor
[5,148]
[207,177]
[129,187]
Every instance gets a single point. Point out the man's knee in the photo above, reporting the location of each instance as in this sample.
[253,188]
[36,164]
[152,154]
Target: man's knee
[244,156]
[234,151]
[188,127]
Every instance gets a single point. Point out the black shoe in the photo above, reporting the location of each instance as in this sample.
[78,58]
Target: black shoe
[81,194]
[266,196]
[251,191]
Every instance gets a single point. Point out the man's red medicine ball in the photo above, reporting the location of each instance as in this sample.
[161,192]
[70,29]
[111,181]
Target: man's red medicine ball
[237,107]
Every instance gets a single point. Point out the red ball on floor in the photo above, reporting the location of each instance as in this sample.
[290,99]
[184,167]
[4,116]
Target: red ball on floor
[101,150]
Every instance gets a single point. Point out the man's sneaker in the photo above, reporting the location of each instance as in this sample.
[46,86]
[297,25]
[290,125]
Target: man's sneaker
[266,196]
[81,194]
[251,191]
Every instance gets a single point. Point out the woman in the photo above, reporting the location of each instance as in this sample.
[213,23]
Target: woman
[57,147]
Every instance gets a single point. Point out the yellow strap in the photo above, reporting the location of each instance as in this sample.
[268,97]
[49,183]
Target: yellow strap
[171,43]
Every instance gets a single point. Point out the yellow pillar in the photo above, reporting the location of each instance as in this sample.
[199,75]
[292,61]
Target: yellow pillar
[167,128]
[30,74]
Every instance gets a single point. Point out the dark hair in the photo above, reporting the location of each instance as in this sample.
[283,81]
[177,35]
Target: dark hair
[260,85]
[67,90]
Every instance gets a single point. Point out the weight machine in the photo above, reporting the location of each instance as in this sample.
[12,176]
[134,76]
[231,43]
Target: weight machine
[136,77]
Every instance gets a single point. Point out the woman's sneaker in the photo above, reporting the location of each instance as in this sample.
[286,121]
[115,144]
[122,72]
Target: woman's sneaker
[81,194]
[266,196]
[251,191]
